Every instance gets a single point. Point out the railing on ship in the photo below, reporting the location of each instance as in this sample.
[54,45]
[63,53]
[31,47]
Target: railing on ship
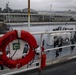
[50,32]
[51,49]
[46,50]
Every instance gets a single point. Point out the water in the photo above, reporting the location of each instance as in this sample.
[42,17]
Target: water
[39,28]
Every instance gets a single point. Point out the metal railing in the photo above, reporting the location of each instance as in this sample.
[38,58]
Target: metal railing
[41,39]
[51,32]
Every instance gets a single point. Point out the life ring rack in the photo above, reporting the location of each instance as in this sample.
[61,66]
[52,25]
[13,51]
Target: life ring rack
[13,35]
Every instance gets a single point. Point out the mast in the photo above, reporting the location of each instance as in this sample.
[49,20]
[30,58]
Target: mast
[50,13]
[28,15]
[7,7]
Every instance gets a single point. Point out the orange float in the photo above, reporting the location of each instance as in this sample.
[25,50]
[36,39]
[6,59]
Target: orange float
[9,37]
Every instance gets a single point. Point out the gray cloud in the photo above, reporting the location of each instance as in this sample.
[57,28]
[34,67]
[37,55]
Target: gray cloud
[41,4]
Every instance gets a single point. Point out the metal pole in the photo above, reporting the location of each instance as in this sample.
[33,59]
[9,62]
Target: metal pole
[39,73]
[50,12]
[41,39]
[28,15]
[8,12]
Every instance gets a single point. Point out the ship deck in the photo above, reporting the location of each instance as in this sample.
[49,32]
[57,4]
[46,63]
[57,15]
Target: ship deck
[63,68]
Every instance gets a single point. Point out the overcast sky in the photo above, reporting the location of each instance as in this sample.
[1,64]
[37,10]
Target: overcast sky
[41,4]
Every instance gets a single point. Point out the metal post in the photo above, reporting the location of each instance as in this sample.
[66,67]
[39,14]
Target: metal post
[39,72]
[7,5]
[41,39]
[8,12]
[28,15]
[50,12]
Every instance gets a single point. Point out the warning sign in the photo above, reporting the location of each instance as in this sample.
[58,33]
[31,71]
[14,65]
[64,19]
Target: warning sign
[16,46]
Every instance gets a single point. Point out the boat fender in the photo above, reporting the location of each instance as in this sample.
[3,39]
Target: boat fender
[43,59]
[13,35]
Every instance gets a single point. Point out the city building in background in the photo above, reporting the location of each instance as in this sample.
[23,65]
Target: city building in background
[13,15]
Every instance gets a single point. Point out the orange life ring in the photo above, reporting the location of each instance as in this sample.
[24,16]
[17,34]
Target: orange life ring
[9,37]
